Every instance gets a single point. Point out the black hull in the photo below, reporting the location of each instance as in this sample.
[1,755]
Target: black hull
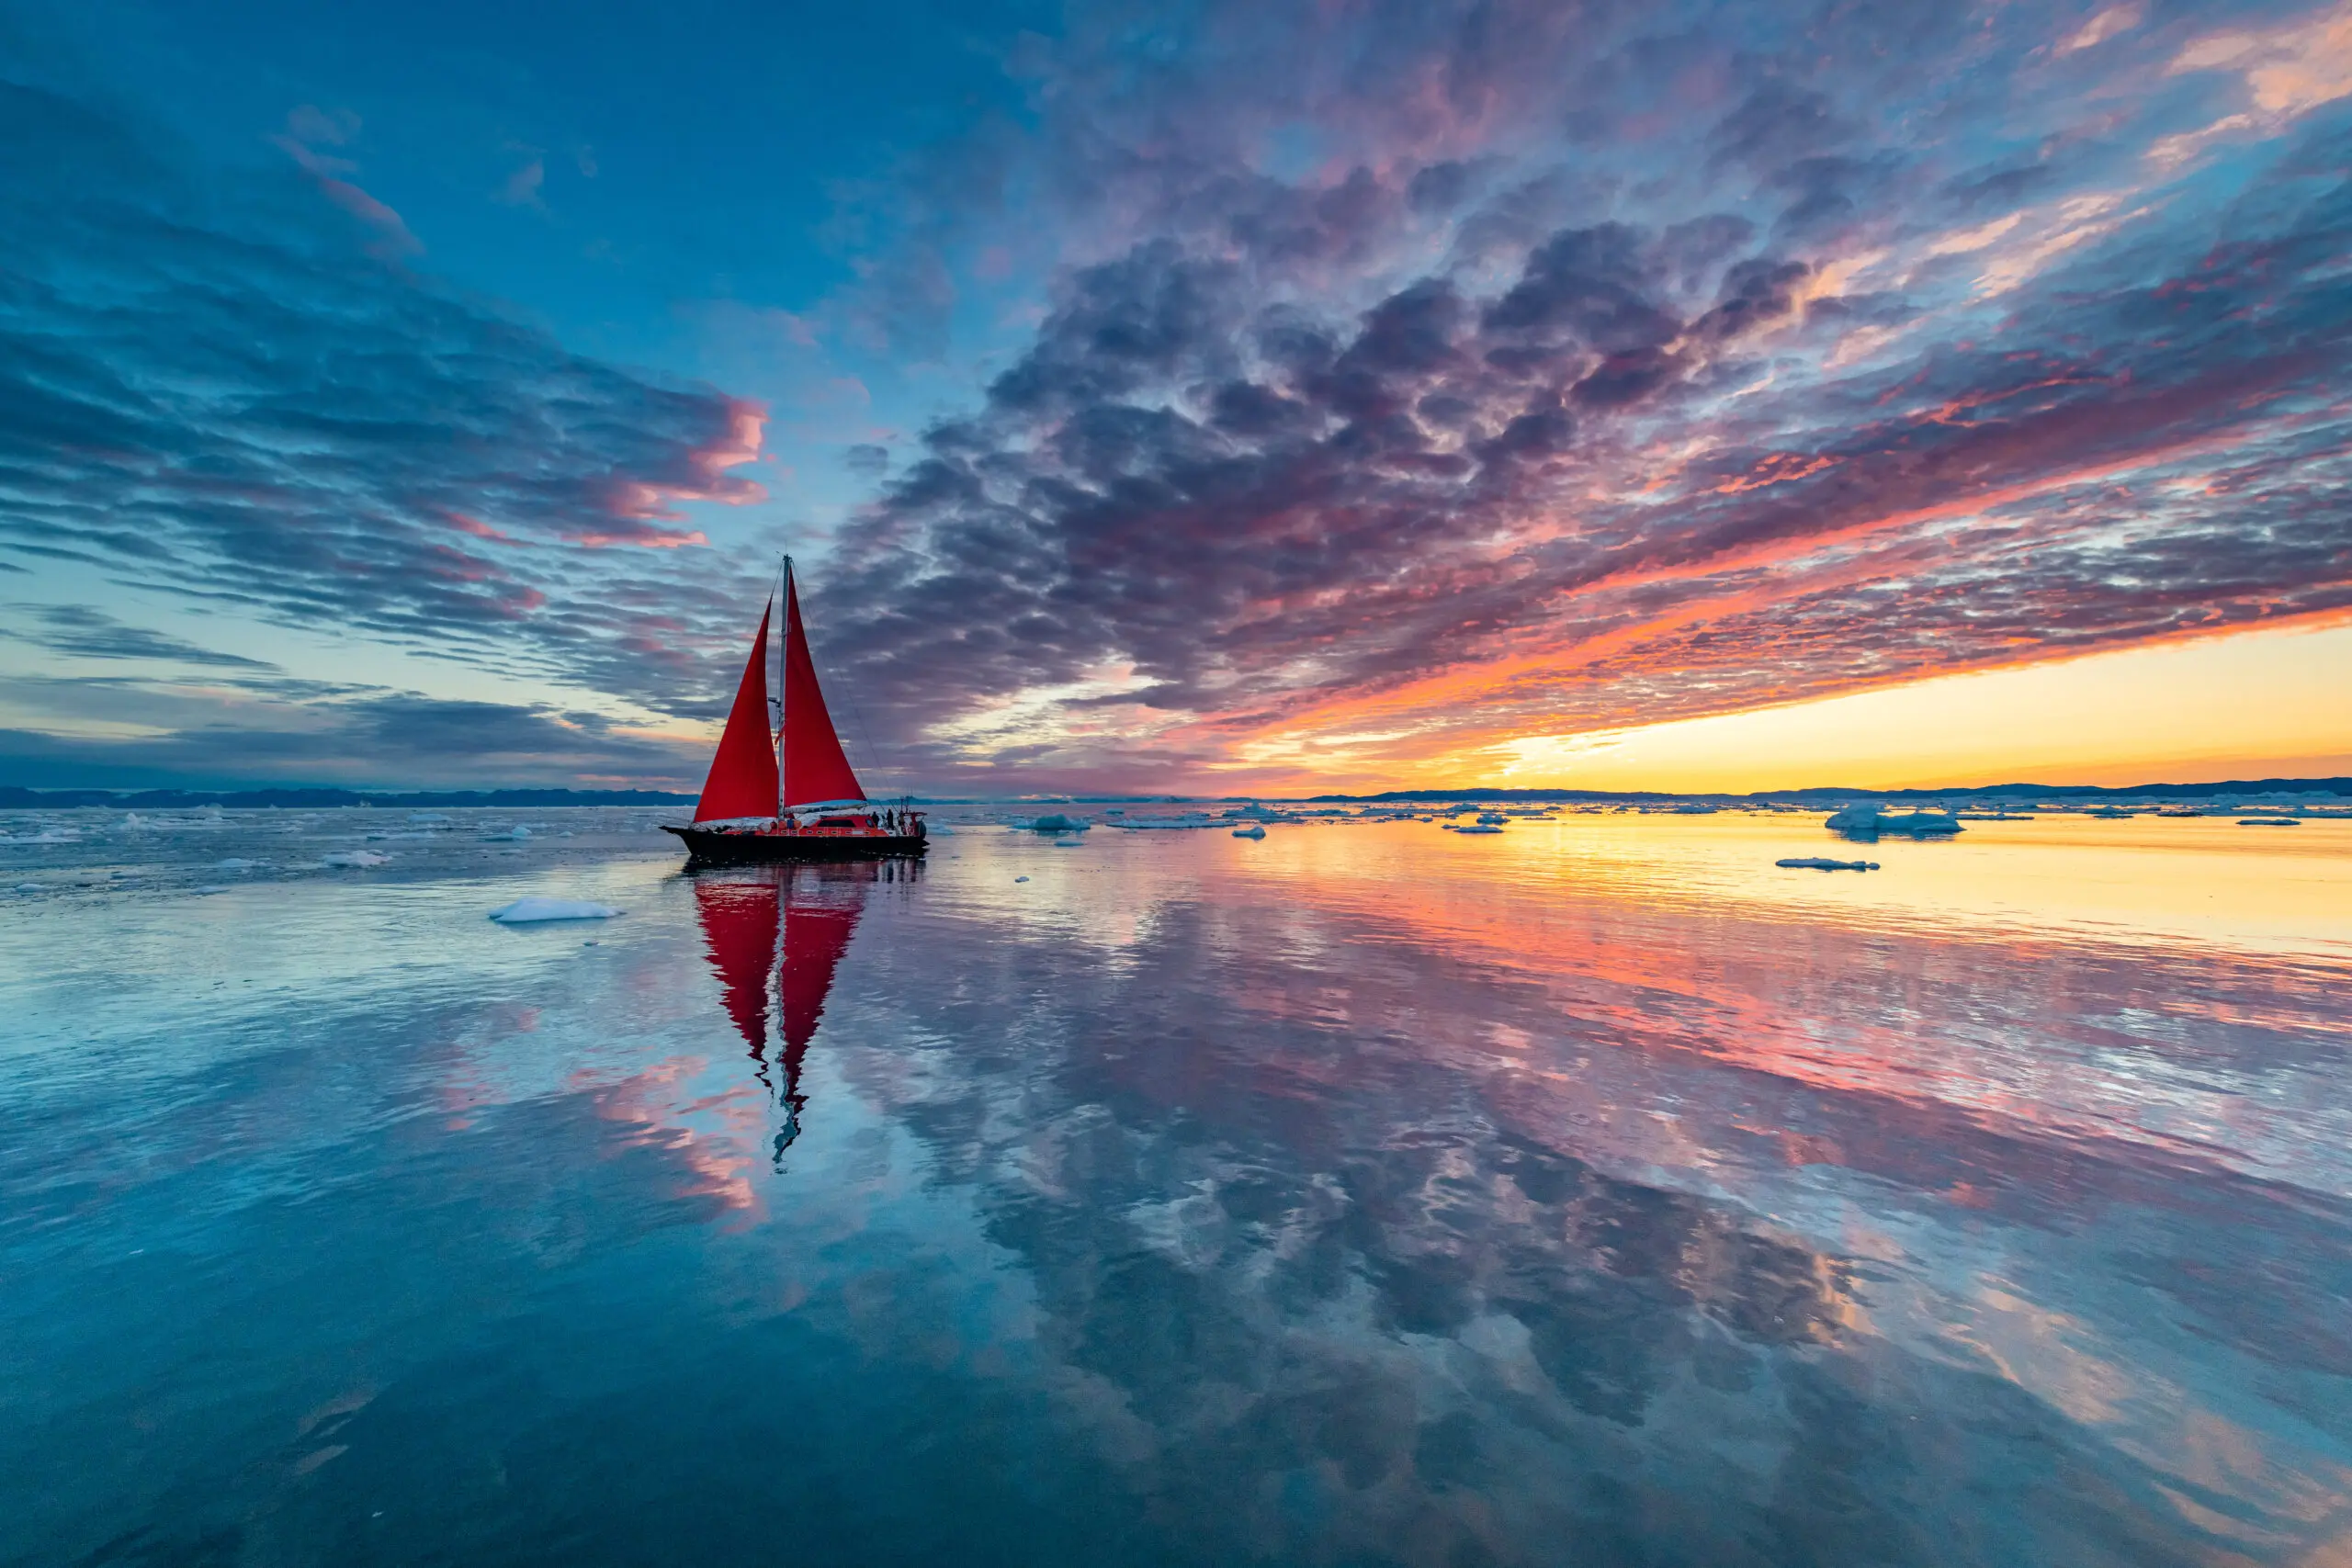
[706,848]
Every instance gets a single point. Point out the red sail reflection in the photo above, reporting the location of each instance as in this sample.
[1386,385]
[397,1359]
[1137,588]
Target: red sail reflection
[776,935]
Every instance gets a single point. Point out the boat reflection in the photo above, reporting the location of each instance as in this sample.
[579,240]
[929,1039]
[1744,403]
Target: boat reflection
[775,935]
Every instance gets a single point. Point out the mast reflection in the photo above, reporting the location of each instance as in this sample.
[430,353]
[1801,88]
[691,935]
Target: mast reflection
[774,935]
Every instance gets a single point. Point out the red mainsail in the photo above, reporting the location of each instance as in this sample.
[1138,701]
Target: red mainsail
[814,766]
[742,776]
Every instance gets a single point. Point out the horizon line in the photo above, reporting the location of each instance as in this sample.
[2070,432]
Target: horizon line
[23,797]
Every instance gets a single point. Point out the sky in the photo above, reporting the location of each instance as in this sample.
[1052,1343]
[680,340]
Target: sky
[1235,397]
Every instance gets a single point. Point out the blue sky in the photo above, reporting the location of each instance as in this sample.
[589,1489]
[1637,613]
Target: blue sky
[1208,396]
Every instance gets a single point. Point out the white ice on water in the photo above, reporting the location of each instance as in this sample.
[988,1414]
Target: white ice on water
[527,912]
[356,858]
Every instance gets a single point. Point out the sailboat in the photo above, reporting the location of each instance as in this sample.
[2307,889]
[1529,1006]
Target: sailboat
[780,787]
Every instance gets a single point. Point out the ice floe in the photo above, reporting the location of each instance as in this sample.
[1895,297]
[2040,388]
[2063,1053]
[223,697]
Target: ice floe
[354,860]
[530,911]
[1817,863]
[1869,821]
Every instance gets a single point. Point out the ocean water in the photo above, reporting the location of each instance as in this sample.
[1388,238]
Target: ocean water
[1591,1193]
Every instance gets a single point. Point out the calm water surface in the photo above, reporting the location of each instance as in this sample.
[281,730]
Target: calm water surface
[1595,1194]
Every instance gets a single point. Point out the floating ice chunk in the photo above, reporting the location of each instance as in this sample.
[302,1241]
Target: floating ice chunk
[516,832]
[1816,862]
[1254,830]
[2269,822]
[1479,828]
[1054,822]
[1865,821]
[234,863]
[214,887]
[527,912]
[426,816]
[1020,879]
[354,860]
[30,886]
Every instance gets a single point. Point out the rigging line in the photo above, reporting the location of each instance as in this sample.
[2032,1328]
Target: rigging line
[858,713]
[849,690]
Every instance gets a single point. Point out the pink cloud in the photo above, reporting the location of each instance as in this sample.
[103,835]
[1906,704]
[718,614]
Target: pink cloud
[307,125]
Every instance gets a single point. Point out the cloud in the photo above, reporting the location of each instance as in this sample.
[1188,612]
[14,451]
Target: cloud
[525,185]
[81,632]
[1405,373]
[208,388]
[308,128]
[270,732]
[1632,467]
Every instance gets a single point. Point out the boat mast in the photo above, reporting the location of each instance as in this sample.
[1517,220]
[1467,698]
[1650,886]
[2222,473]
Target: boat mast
[782,656]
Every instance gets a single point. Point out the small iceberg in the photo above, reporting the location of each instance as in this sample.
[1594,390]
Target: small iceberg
[1255,830]
[2270,822]
[1816,862]
[516,832]
[1479,828]
[356,859]
[530,911]
[1867,822]
[1054,822]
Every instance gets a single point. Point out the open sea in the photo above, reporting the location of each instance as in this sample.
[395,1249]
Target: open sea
[1594,1193]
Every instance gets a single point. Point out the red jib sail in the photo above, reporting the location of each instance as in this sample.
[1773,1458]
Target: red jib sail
[814,766]
[742,776]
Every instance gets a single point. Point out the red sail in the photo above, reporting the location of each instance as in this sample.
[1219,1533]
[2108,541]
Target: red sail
[739,920]
[742,776]
[814,766]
